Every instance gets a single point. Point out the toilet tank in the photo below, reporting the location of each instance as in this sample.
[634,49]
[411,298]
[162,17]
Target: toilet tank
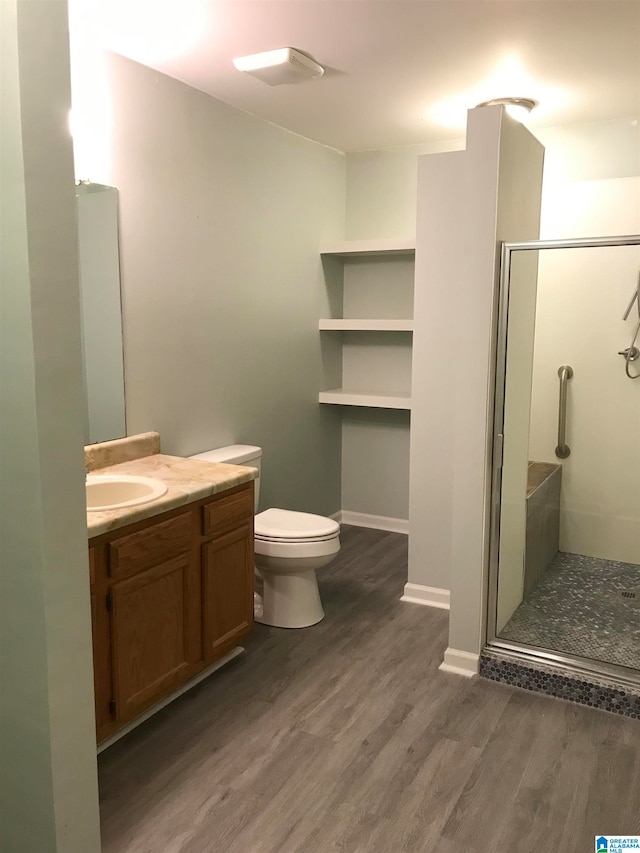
[236,454]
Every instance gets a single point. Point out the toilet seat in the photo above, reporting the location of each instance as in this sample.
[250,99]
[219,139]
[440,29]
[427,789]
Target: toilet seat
[286,526]
[289,535]
[295,549]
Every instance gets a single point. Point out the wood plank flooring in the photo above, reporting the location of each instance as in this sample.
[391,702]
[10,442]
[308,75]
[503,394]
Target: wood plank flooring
[346,737]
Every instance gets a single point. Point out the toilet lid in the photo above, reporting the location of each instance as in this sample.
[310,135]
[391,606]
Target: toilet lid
[286,524]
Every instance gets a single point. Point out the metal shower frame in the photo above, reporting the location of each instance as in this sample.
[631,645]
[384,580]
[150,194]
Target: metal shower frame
[523,652]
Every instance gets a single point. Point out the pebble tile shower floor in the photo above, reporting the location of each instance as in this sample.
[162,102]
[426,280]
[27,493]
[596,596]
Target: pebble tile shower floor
[580,607]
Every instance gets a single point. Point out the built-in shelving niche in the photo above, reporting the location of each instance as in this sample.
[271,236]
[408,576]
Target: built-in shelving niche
[376,322]
[370,285]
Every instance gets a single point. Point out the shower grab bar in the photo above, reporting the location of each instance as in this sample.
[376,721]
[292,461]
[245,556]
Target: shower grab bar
[563,450]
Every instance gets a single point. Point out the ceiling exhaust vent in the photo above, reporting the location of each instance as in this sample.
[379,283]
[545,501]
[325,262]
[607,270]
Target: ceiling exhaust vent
[279,67]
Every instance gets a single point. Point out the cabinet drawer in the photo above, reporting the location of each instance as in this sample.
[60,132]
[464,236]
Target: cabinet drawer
[150,546]
[227,511]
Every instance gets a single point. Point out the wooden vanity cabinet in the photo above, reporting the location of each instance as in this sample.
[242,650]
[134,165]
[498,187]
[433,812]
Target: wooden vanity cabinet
[170,596]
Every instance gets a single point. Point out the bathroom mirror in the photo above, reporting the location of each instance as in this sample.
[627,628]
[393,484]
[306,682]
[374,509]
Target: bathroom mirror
[101,314]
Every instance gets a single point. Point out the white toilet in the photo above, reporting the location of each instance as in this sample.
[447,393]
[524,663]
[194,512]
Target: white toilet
[289,548]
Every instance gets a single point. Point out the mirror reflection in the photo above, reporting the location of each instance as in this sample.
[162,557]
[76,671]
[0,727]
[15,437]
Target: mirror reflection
[101,312]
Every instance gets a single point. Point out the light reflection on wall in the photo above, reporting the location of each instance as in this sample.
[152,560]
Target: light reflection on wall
[149,31]
[91,115]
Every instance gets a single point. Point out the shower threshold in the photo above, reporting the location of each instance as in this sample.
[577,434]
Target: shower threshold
[607,688]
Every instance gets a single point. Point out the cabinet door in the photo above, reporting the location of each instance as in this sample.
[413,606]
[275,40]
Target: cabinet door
[152,634]
[94,628]
[227,591]
[100,638]
[96,660]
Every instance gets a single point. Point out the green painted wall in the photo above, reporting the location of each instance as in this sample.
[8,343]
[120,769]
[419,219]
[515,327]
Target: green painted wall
[48,784]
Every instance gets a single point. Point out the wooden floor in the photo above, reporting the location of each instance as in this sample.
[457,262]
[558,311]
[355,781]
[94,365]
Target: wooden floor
[346,737]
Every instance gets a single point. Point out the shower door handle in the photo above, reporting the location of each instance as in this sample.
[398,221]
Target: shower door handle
[563,450]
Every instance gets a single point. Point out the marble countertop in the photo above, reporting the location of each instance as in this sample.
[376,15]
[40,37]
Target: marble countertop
[187,480]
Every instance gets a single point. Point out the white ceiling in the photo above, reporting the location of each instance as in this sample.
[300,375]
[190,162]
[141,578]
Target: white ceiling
[398,72]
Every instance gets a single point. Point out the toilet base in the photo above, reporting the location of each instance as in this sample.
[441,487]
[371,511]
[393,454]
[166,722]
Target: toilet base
[290,600]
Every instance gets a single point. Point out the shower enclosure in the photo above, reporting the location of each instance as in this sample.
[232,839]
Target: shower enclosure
[565,514]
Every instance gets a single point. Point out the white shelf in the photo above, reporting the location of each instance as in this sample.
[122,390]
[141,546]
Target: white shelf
[366,325]
[347,248]
[343,397]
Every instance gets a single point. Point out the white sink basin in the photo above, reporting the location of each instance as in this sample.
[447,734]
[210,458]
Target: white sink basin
[117,491]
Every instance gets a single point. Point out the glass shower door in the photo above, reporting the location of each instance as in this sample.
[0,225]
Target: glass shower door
[566,545]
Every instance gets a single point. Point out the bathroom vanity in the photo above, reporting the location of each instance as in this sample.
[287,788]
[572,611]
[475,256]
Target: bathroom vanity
[171,584]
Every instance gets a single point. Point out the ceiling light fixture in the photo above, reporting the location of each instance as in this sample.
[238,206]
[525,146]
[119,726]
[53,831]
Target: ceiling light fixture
[278,67]
[518,108]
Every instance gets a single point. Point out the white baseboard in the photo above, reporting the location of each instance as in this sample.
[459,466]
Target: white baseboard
[377,522]
[430,596]
[164,702]
[460,663]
